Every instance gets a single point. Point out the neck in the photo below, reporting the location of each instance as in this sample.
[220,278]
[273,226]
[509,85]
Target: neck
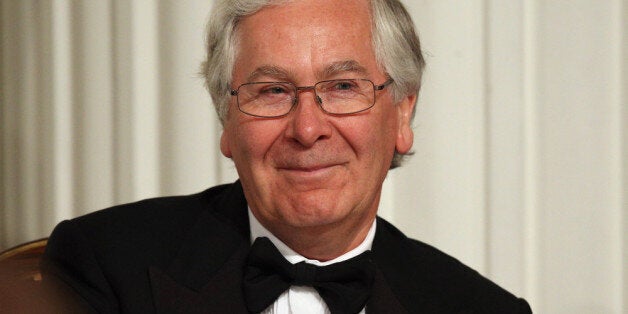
[322,243]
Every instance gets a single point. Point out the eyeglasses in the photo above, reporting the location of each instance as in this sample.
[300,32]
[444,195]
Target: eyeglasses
[336,97]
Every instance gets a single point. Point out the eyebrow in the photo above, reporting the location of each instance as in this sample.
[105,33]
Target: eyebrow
[271,71]
[344,66]
[333,69]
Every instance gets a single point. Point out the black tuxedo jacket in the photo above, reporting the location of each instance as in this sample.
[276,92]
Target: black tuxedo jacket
[185,255]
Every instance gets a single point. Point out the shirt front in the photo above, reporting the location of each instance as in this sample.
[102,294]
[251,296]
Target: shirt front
[303,299]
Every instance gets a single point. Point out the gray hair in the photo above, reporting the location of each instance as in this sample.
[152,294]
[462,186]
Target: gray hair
[395,42]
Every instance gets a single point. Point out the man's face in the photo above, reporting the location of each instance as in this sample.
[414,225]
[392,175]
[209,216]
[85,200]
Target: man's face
[310,169]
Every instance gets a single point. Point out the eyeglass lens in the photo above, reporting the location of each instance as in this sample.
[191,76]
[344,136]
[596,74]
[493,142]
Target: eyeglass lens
[274,99]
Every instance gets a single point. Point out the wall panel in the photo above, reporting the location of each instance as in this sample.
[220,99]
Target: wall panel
[521,135]
[188,124]
[445,204]
[92,104]
[576,195]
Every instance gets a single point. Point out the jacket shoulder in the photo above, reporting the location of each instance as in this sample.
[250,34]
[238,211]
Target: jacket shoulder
[181,205]
[105,255]
[150,225]
[426,279]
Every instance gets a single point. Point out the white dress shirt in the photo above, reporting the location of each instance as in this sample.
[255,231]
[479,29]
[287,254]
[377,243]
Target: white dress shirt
[302,299]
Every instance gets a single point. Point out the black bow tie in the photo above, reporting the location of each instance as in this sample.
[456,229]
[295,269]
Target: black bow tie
[344,286]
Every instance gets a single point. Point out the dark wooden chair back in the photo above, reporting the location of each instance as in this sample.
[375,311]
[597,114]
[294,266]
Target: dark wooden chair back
[23,260]
[22,289]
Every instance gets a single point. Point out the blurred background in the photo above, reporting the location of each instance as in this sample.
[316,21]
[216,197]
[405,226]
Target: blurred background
[521,134]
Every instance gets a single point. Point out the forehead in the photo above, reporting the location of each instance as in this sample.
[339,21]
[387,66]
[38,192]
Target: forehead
[306,12]
[306,33]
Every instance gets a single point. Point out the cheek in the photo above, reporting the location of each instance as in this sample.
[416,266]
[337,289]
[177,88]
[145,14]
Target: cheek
[379,131]
[253,139]
[371,142]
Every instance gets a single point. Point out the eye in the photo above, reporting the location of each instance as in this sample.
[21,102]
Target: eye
[274,90]
[344,85]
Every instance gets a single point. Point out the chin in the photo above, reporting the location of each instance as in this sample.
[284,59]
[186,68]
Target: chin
[307,217]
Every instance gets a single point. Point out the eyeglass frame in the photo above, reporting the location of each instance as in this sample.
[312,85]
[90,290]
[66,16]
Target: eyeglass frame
[297,89]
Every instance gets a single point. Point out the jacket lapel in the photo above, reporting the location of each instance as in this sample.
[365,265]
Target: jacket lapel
[219,295]
[382,299]
[396,283]
[206,274]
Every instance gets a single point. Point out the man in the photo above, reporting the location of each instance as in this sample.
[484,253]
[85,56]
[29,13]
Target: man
[316,98]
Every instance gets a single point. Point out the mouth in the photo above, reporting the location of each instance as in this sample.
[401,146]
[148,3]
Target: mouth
[319,171]
[308,168]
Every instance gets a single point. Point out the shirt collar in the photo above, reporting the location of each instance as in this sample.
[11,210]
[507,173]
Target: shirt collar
[257,230]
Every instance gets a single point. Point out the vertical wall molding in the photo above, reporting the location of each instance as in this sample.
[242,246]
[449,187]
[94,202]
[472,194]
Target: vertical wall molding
[124,106]
[620,131]
[621,24]
[505,146]
[63,137]
[530,151]
[145,73]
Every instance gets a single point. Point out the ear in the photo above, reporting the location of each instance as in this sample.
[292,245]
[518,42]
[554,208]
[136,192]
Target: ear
[405,135]
[225,147]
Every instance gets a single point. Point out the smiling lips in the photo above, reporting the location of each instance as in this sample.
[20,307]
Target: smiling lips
[310,171]
[308,168]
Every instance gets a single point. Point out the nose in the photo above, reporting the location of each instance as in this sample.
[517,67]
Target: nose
[308,123]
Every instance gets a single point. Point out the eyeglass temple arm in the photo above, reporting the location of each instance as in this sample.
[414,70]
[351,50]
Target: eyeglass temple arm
[388,82]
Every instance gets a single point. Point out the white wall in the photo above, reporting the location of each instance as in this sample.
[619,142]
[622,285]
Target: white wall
[521,164]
